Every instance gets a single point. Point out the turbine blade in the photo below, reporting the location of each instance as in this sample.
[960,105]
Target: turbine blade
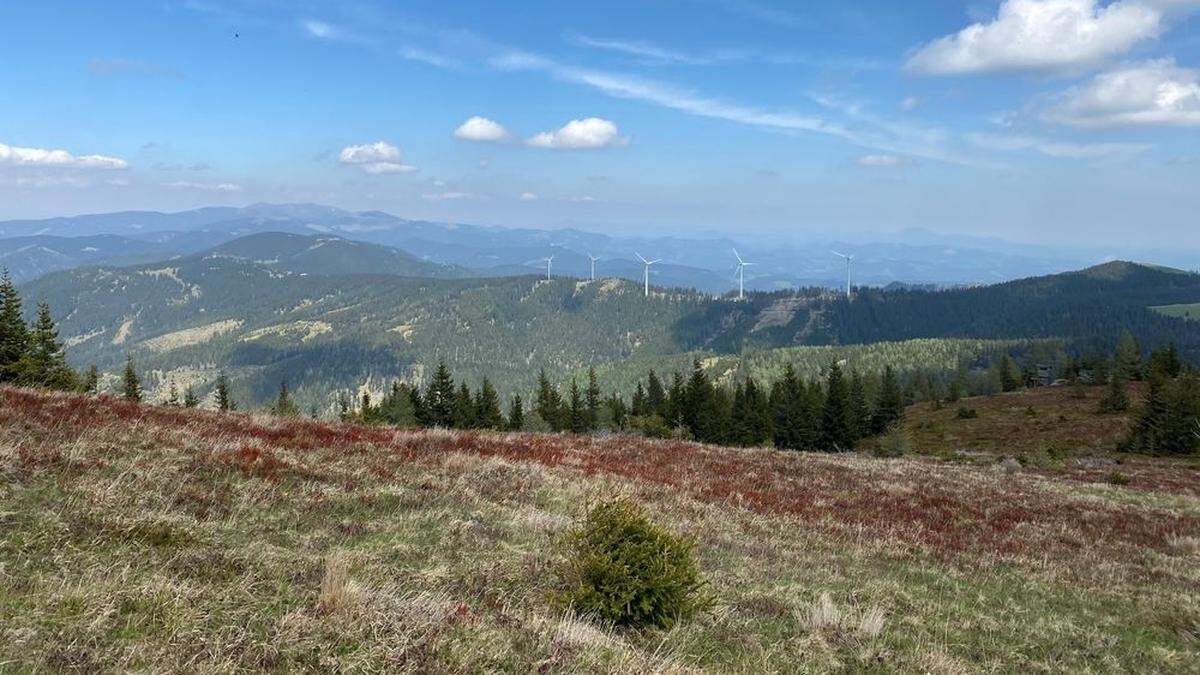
[739,258]
[639,256]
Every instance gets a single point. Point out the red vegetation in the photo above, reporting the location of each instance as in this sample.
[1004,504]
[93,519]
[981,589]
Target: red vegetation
[944,509]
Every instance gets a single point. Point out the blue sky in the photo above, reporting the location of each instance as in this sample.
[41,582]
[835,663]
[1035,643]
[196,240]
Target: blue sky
[1034,120]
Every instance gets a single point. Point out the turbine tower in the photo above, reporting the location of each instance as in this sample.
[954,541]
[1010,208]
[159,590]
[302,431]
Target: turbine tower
[646,270]
[849,259]
[548,261]
[593,259]
[741,272]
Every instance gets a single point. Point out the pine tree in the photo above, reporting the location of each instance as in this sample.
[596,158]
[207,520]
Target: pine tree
[1116,400]
[696,400]
[787,405]
[439,398]
[14,336]
[132,386]
[836,431]
[592,401]
[172,395]
[577,411]
[656,397]
[1165,361]
[420,414]
[638,406]
[618,412]
[759,421]
[1127,360]
[285,407]
[44,363]
[224,398]
[190,399]
[1010,375]
[860,416]
[516,414]
[464,408]
[889,406]
[487,408]
[676,401]
[549,404]
[91,381]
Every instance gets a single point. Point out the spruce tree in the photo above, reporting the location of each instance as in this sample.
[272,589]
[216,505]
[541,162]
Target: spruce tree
[439,398]
[889,406]
[420,414]
[189,398]
[223,397]
[577,411]
[44,363]
[285,407]
[860,415]
[656,397]
[696,400]
[1010,375]
[131,386]
[516,414]
[676,401]
[592,401]
[91,381]
[549,404]
[1116,400]
[487,408]
[14,336]
[464,408]
[786,403]
[618,412]
[1127,360]
[173,395]
[638,406]
[836,431]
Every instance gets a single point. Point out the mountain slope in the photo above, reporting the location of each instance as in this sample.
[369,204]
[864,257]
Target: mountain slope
[294,546]
[329,255]
[32,256]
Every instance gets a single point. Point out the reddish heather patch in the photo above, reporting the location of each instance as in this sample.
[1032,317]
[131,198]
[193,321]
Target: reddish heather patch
[948,510]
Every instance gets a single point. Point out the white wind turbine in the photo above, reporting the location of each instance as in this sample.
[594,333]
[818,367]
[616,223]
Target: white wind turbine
[741,272]
[593,259]
[548,261]
[849,259]
[646,270]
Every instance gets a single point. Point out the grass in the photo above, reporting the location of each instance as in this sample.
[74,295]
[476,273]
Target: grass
[1189,311]
[143,538]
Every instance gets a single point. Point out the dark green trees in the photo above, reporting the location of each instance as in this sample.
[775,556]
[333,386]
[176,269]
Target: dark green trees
[131,386]
[14,335]
[889,406]
[837,423]
[487,408]
[223,398]
[44,364]
[284,405]
[439,408]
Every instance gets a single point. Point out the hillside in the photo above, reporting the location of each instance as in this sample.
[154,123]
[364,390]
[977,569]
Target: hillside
[131,530]
[329,255]
[26,258]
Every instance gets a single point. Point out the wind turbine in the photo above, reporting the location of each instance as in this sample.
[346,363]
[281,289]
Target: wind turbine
[593,259]
[848,258]
[548,261]
[741,271]
[646,270]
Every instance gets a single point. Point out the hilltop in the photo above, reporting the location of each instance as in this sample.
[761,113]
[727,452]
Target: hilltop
[130,530]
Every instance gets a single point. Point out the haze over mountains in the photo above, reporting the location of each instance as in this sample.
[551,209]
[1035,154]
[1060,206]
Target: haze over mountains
[34,247]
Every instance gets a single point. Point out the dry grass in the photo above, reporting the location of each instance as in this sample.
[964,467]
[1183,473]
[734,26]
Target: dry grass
[143,538]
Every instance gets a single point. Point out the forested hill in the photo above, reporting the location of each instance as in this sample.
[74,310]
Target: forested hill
[1092,306]
[329,255]
[265,320]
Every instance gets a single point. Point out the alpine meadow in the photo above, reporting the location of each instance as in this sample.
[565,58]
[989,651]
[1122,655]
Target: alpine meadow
[725,337]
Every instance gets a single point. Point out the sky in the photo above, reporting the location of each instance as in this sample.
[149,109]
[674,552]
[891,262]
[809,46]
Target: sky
[1047,121]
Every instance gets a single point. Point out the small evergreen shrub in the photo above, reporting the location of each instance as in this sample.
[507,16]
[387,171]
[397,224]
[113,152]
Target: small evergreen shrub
[624,569]
[895,443]
[1117,478]
[965,413]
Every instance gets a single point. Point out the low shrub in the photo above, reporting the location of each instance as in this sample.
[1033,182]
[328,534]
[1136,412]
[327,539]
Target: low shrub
[622,568]
[965,413]
[1117,478]
[895,443]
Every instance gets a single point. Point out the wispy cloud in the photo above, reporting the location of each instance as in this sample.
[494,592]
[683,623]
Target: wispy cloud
[375,158]
[40,157]
[1055,148]
[210,187]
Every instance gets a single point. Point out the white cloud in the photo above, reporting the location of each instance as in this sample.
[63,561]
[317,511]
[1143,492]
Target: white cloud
[426,57]
[881,160]
[1052,148]
[446,196]
[910,103]
[319,29]
[215,187]
[647,51]
[376,158]
[39,157]
[481,129]
[1045,35]
[585,199]
[584,134]
[1156,92]
[528,197]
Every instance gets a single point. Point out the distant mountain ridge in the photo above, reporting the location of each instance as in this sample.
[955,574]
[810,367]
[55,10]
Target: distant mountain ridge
[704,263]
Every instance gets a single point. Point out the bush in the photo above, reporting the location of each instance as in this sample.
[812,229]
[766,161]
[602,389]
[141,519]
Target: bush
[624,569]
[895,443]
[1117,478]
[966,414]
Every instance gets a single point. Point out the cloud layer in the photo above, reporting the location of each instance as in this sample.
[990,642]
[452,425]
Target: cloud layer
[379,157]
[39,157]
[483,130]
[1155,92]
[583,134]
[1044,35]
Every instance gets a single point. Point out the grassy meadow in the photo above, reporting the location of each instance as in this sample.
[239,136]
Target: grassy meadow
[167,540]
